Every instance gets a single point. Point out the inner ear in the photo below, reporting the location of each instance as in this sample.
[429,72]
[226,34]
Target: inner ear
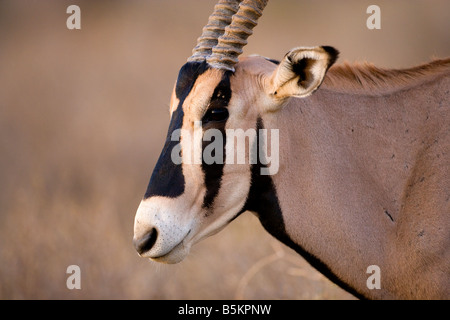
[301,72]
[303,69]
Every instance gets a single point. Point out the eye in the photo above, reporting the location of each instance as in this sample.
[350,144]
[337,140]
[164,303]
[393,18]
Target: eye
[215,115]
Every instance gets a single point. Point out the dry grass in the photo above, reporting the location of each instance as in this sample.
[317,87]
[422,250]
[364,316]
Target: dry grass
[82,119]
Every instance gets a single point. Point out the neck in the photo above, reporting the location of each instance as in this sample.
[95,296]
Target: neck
[338,199]
[263,200]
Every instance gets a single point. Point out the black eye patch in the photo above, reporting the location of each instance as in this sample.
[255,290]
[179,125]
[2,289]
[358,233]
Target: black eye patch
[217,108]
[222,94]
[215,115]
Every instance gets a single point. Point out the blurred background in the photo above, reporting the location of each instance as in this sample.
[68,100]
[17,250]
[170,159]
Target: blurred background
[83,117]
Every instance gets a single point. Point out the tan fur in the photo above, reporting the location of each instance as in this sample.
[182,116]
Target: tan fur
[366,78]
[363,176]
[370,146]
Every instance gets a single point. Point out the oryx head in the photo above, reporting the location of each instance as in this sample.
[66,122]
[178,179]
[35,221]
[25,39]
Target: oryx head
[202,178]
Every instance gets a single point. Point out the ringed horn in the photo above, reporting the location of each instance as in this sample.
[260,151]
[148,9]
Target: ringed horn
[227,31]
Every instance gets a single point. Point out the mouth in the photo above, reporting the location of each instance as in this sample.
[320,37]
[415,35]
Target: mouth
[174,255]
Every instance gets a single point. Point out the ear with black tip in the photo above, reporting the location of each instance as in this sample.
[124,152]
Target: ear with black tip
[301,72]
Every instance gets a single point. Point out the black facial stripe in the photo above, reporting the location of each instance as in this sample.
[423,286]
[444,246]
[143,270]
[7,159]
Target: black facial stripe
[222,93]
[263,199]
[186,78]
[213,172]
[167,179]
[273,61]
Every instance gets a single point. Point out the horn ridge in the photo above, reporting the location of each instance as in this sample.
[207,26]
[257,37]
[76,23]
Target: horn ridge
[217,22]
[225,54]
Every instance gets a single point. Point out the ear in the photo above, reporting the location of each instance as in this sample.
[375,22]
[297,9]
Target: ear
[301,72]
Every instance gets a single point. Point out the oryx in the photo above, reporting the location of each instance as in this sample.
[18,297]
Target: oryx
[364,161]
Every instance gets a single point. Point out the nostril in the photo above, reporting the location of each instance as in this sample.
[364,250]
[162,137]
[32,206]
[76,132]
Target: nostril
[146,243]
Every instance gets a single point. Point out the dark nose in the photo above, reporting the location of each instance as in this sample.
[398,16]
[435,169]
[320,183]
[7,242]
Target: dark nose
[146,242]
